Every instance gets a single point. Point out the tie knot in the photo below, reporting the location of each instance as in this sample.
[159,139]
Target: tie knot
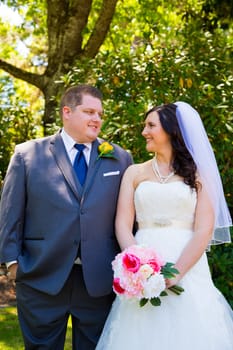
[79,146]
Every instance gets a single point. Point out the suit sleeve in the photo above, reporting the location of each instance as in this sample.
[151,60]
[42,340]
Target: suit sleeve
[12,209]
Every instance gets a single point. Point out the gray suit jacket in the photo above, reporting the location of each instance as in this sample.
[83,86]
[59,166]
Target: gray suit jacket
[45,214]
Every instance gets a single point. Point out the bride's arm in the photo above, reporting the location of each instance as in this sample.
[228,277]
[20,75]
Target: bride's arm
[125,210]
[203,228]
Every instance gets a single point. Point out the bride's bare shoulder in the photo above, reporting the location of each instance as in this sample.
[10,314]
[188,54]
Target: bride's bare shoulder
[137,172]
[137,169]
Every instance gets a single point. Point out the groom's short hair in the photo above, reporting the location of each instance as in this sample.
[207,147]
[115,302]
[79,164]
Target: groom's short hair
[72,97]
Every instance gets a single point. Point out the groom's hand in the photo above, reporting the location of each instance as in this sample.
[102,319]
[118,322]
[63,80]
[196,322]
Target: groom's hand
[12,270]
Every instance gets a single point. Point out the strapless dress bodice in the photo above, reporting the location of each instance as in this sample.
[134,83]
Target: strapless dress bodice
[172,203]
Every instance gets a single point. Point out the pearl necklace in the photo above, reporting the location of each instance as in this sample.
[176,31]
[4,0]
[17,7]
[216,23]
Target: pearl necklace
[162,179]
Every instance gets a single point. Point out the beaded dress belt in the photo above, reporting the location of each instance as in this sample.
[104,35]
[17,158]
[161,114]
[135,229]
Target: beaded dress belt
[166,223]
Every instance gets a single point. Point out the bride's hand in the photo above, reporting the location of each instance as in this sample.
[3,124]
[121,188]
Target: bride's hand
[172,281]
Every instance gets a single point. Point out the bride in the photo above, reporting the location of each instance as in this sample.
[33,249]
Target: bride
[180,210]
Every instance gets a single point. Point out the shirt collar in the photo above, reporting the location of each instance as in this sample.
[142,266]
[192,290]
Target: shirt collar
[69,141]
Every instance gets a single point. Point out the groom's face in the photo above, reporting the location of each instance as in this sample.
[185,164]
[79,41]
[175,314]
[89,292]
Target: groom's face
[83,122]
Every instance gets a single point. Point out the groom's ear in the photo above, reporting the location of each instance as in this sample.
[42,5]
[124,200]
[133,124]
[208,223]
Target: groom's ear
[66,112]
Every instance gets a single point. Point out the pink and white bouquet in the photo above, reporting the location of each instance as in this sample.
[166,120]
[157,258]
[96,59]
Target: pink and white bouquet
[139,273]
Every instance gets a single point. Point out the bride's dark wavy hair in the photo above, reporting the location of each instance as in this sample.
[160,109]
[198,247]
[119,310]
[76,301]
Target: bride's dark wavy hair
[183,163]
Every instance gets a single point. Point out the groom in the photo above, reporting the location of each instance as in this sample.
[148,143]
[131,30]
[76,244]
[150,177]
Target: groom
[57,229]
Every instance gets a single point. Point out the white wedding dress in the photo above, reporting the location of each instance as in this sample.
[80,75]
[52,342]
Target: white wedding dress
[199,318]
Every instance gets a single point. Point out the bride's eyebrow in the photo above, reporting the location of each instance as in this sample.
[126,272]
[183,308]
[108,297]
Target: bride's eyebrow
[150,123]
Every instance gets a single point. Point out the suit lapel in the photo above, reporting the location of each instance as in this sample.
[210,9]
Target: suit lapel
[58,150]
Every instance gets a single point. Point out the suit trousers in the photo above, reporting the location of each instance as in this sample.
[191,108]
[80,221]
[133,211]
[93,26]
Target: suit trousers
[43,318]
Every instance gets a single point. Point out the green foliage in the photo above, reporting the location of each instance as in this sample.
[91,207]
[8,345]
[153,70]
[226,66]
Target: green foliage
[25,40]
[16,125]
[131,83]
[221,265]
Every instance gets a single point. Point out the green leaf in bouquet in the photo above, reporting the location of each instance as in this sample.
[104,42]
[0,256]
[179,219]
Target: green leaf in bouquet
[163,293]
[176,289]
[143,302]
[155,301]
[169,271]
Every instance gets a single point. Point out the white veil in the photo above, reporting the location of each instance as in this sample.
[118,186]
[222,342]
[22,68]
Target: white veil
[198,145]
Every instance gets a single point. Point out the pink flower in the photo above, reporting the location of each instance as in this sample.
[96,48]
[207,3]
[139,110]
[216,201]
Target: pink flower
[131,262]
[155,264]
[117,287]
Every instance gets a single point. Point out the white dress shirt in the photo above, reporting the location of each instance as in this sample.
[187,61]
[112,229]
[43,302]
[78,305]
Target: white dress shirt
[71,150]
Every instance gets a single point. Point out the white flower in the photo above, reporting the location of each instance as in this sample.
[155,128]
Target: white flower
[154,286]
[146,271]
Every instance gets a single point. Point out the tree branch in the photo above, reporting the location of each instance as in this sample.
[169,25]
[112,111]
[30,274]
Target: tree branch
[31,78]
[101,28]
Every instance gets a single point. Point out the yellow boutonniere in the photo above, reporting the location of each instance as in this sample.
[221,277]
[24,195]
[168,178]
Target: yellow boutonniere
[106,150]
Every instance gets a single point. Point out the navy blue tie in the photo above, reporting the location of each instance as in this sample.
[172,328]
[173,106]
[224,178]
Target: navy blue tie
[80,165]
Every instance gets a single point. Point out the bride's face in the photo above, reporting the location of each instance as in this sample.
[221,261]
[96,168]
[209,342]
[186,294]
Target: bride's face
[156,138]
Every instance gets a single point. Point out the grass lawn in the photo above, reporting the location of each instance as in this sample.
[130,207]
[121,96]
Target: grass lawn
[10,335]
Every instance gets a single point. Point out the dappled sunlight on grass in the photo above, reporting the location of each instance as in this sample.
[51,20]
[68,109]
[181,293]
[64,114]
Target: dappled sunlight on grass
[10,335]
[68,344]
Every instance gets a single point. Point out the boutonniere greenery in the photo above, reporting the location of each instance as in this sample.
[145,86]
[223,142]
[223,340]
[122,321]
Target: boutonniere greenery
[106,150]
